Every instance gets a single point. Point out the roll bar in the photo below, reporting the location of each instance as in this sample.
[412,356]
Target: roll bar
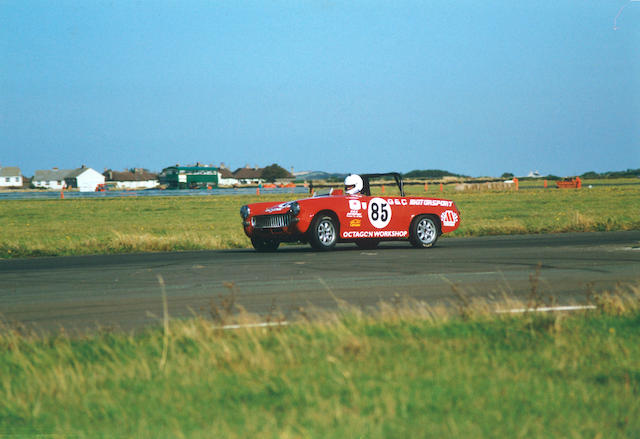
[366,188]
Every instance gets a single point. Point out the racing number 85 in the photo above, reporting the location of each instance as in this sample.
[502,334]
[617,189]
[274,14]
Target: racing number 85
[379,213]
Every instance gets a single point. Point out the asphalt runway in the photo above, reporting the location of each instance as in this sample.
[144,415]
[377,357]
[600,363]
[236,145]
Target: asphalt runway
[123,291]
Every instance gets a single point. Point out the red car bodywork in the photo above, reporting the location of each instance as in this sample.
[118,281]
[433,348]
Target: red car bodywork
[363,219]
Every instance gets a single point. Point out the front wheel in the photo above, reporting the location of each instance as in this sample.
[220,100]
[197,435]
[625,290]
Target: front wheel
[323,233]
[424,232]
[264,245]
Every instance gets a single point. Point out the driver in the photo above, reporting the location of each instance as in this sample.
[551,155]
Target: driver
[353,184]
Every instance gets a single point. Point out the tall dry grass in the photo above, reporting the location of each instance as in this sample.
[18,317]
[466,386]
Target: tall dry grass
[405,369]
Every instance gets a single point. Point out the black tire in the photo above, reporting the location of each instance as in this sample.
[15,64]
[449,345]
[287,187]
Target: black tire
[367,244]
[264,245]
[323,233]
[424,232]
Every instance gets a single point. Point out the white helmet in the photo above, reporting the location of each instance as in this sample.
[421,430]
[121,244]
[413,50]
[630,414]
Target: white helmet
[353,184]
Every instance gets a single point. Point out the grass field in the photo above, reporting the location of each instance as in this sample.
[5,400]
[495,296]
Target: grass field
[120,225]
[406,370]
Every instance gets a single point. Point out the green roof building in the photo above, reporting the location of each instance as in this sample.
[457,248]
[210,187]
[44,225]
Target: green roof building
[189,177]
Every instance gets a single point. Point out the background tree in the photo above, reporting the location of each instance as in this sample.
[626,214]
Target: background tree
[273,172]
[507,175]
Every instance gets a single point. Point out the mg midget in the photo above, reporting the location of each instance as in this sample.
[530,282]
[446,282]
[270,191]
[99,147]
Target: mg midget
[345,216]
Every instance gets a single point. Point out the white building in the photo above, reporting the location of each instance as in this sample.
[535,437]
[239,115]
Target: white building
[248,175]
[85,179]
[10,177]
[139,179]
[225,177]
[53,179]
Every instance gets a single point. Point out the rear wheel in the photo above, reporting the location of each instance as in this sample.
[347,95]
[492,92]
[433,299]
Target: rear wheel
[424,232]
[264,245]
[323,233]
[367,244]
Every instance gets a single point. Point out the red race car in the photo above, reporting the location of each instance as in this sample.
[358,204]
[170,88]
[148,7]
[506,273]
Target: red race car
[352,215]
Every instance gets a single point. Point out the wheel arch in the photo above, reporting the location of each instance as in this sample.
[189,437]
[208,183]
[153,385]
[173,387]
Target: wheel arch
[436,219]
[330,213]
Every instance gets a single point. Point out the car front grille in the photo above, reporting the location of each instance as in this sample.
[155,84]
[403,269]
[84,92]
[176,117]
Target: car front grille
[272,221]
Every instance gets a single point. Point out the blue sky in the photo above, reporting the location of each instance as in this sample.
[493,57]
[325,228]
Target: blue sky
[478,88]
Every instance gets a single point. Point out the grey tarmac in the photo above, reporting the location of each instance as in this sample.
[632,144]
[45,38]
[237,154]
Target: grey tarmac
[123,291]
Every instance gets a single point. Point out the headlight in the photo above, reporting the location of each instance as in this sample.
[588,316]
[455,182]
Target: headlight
[245,211]
[294,208]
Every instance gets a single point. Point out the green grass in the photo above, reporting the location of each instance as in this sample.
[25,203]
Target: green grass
[117,225]
[550,211]
[120,225]
[403,371]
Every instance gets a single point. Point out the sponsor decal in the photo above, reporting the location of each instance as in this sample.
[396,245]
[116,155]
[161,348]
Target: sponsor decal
[355,223]
[379,212]
[279,207]
[375,234]
[397,201]
[429,202]
[355,206]
[449,218]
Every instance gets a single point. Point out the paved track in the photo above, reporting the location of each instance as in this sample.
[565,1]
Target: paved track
[123,290]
